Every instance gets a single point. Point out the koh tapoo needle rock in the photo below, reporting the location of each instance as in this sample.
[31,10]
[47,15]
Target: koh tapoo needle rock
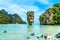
[30,17]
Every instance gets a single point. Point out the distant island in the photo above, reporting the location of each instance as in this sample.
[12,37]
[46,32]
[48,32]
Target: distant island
[6,18]
[51,16]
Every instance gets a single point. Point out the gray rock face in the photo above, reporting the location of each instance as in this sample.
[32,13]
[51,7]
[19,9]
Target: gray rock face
[30,17]
[46,18]
[51,16]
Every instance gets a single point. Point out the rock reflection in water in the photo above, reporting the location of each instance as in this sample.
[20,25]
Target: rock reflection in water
[31,33]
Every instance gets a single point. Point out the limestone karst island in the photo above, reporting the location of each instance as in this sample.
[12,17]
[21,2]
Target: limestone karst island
[6,18]
[30,17]
[50,17]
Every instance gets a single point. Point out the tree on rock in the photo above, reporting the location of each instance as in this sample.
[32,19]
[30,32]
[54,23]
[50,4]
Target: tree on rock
[30,17]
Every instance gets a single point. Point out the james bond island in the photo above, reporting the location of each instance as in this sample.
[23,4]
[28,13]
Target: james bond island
[51,16]
[30,17]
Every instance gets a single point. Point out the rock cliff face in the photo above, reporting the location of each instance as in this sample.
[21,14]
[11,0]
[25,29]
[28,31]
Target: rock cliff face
[51,15]
[16,19]
[46,18]
[30,17]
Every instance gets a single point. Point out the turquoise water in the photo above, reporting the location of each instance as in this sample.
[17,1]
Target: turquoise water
[23,31]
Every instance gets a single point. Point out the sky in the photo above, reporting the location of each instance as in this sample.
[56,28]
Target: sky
[22,6]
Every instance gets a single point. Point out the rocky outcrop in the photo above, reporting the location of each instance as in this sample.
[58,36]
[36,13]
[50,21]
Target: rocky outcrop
[16,19]
[46,18]
[51,15]
[30,17]
[6,18]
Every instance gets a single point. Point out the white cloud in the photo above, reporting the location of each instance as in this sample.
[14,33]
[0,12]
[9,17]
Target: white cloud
[16,9]
[31,8]
[2,8]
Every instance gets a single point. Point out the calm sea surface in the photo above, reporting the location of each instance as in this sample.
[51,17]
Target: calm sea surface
[23,31]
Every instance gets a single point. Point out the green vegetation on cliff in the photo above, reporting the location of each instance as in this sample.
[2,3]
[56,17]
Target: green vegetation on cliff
[51,15]
[6,18]
[30,17]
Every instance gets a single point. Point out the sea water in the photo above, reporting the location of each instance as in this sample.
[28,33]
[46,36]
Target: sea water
[24,31]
